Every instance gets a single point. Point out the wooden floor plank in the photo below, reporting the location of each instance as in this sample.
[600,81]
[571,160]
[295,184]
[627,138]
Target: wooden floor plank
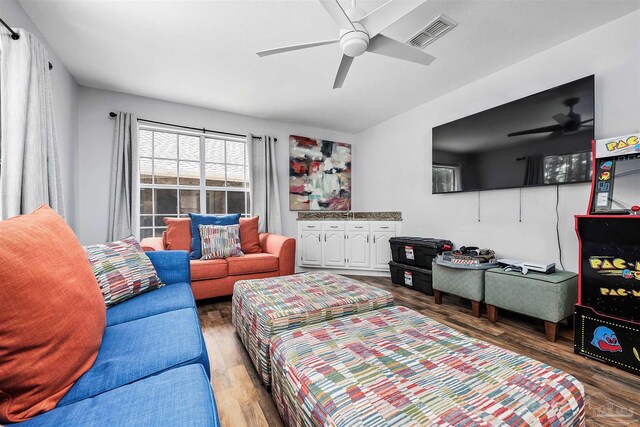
[613,396]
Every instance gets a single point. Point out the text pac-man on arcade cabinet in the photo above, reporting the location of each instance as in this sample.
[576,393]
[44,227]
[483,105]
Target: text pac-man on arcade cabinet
[608,309]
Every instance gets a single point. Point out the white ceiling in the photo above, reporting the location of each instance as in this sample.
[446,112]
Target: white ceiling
[202,53]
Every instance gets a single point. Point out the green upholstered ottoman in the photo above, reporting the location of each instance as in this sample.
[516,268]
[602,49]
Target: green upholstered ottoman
[464,283]
[549,297]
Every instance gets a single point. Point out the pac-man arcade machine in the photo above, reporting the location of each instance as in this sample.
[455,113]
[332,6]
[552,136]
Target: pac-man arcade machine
[607,326]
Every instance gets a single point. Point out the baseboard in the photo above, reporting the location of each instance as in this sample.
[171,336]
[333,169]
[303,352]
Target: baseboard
[346,271]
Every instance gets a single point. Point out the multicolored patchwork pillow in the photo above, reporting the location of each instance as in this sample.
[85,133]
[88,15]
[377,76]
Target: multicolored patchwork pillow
[220,241]
[122,270]
[207,219]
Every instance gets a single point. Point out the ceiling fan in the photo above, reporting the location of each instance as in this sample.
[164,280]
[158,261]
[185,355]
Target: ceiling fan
[360,33]
[570,122]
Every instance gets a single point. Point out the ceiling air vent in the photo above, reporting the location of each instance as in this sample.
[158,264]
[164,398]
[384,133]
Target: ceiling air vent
[436,29]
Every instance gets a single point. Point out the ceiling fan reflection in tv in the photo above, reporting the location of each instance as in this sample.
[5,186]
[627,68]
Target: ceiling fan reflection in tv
[552,130]
[570,122]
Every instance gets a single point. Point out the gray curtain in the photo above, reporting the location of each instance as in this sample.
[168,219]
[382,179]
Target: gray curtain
[263,183]
[29,164]
[124,192]
[534,172]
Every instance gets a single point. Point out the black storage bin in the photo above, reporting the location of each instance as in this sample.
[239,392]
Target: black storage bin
[411,277]
[417,251]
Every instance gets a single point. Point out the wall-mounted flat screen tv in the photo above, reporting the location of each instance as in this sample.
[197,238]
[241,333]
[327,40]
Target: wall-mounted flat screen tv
[542,139]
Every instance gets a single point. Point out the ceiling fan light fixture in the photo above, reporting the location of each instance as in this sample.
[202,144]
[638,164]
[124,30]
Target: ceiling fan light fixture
[354,43]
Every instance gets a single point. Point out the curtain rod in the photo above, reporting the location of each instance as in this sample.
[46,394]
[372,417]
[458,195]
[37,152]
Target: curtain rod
[16,36]
[203,130]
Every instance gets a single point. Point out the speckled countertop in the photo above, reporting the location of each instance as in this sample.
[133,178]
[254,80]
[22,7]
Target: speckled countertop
[350,216]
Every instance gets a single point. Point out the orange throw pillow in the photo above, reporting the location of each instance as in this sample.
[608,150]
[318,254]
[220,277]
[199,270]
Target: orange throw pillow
[52,315]
[249,236]
[178,234]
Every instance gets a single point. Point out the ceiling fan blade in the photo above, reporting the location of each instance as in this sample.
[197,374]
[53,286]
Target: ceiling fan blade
[563,119]
[553,135]
[387,14]
[338,14]
[383,45]
[343,69]
[545,129]
[295,47]
[586,121]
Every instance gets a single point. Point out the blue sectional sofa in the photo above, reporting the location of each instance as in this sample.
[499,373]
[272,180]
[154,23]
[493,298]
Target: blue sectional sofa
[152,368]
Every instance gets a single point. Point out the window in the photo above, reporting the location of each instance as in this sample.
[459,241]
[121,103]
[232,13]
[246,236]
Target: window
[444,178]
[182,172]
[575,167]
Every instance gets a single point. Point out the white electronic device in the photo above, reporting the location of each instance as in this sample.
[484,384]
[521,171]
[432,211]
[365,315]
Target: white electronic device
[525,266]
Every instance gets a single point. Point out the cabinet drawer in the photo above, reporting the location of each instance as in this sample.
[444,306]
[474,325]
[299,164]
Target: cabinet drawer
[358,226]
[333,226]
[312,226]
[383,226]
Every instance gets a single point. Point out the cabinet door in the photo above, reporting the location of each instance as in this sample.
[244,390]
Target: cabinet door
[380,249]
[333,249]
[311,248]
[358,249]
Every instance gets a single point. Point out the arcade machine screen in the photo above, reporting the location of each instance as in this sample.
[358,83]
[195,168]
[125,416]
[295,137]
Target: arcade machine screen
[626,191]
[617,185]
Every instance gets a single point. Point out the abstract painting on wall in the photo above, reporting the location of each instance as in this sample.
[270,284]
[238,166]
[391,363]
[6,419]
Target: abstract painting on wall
[319,175]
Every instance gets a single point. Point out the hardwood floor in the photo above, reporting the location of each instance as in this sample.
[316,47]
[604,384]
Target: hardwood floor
[612,395]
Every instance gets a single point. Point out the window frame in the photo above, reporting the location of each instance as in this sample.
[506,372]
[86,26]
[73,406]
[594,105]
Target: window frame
[202,188]
[456,177]
[587,161]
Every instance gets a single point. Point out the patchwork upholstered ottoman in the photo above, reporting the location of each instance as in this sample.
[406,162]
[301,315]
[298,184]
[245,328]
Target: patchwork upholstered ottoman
[264,307]
[396,367]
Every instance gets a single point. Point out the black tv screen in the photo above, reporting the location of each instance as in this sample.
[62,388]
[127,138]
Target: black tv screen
[542,139]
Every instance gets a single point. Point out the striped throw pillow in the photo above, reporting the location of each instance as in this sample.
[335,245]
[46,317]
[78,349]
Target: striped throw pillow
[122,270]
[220,241]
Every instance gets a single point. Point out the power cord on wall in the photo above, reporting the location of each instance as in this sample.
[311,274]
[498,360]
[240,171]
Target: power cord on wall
[558,226]
[520,210]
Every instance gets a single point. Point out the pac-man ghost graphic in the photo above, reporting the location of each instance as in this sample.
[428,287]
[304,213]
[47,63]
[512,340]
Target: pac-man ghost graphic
[627,274]
[605,339]
[606,165]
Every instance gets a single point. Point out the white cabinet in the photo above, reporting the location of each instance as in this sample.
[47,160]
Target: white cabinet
[380,249]
[358,249]
[310,248]
[355,245]
[333,249]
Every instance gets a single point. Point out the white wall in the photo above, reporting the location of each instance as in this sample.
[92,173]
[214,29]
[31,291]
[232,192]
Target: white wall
[394,158]
[65,98]
[96,138]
